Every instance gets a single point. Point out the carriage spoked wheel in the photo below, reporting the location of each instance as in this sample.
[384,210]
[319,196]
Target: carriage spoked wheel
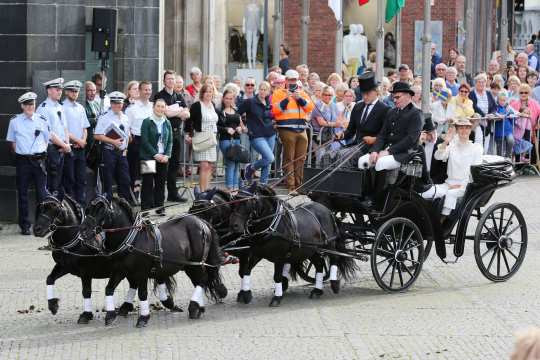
[397,255]
[307,271]
[500,241]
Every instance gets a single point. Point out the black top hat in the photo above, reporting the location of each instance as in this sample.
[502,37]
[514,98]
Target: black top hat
[402,87]
[367,81]
[428,123]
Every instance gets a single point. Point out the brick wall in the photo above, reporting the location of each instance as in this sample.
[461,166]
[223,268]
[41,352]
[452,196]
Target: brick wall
[449,12]
[321,35]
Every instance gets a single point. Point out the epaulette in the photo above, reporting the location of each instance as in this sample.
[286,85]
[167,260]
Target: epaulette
[60,102]
[42,117]
[43,104]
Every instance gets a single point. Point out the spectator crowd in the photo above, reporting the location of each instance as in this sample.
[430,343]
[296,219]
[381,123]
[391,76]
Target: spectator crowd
[143,139]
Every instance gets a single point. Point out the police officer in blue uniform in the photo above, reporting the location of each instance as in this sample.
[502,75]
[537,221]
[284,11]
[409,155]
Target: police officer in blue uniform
[51,109]
[112,130]
[74,175]
[29,134]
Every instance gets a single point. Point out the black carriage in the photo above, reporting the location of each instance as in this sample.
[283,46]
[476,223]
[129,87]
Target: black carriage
[399,238]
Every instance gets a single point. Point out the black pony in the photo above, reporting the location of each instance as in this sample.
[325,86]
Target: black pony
[286,235]
[61,219]
[149,250]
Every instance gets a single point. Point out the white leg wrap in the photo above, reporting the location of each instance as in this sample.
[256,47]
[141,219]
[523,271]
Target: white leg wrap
[87,305]
[50,292]
[130,296]
[286,270]
[162,292]
[145,308]
[333,272]
[318,280]
[198,295]
[109,303]
[278,289]
[246,283]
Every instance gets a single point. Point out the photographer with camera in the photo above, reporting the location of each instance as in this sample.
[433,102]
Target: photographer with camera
[290,107]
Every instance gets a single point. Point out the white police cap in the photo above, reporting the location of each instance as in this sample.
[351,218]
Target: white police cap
[56,83]
[73,85]
[117,97]
[26,97]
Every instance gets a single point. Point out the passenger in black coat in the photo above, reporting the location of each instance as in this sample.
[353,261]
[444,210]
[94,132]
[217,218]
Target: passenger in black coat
[366,130]
[436,169]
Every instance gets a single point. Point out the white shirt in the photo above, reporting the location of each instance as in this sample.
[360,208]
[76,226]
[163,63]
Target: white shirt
[53,113]
[136,113]
[460,156]
[76,119]
[30,135]
[482,101]
[117,122]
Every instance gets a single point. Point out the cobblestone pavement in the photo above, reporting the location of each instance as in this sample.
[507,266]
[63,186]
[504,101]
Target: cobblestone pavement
[452,312]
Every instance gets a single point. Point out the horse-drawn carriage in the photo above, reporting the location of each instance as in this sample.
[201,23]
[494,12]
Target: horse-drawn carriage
[399,238]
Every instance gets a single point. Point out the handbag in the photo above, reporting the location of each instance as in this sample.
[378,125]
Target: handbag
[203,140]
[237,153]
[148,167]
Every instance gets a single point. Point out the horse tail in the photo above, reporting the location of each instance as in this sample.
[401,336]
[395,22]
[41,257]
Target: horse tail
[293,273]
[346,265]
[216,289]
[170,284]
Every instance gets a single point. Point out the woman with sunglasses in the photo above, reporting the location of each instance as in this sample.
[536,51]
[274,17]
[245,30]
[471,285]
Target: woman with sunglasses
[526,126]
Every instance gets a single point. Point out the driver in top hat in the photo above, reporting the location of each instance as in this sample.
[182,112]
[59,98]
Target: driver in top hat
[399,134]
[367,116]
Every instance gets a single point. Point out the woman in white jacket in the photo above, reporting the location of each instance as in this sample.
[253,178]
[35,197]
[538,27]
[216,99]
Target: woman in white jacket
[460,153]
[442,109]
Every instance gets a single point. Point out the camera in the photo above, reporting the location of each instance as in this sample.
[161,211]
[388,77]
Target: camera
[293,87]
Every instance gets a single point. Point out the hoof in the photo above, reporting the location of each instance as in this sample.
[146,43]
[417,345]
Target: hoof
[85,318]
[284,283]
[110,318]
[142,321]
[195,310]
[244,296]
[316,293]
[169,304]
[53,305]
[221,291]
[125,309]
[335,285]
[276,301]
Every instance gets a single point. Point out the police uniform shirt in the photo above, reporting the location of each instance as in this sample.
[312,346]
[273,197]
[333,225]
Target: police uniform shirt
[136,113]
[76,119]
[30,135]
[109,119]
[50,110]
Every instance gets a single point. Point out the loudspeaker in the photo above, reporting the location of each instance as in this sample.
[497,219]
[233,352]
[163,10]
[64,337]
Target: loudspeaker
[104,29]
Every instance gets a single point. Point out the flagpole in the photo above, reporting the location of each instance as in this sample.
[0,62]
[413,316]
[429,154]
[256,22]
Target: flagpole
[339,41]
[305,29]
[380,40]
[426,58]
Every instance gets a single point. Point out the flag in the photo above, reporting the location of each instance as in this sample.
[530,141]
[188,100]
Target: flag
[335,5]
[362,2]
[392,8]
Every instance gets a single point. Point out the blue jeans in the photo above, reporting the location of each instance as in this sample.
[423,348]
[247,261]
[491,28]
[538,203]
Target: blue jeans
[265,147]
[232,169]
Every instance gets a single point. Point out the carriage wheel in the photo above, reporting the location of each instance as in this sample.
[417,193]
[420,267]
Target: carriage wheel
[307,271]
[397,254]
[500,241]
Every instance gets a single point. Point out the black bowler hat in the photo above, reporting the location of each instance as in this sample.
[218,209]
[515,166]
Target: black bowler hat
[428,123]
[367,81]
[402,87]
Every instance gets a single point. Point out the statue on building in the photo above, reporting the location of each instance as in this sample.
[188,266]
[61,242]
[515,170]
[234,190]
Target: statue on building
[251,27]
[355,49]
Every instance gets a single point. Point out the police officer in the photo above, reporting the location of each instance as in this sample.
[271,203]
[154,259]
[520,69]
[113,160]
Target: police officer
[51,109]
[74,177]
[29,134]
[112,130]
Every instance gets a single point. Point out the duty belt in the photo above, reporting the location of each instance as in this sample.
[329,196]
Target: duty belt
[300,127]
[39,156]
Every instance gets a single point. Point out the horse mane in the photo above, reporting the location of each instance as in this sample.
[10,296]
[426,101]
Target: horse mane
[123,204]
[75,207]
[264,190]
[224,194]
